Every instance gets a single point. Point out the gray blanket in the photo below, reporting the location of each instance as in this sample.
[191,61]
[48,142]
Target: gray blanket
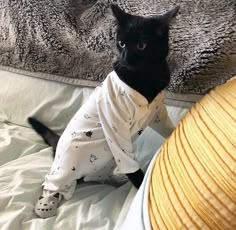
[73,40]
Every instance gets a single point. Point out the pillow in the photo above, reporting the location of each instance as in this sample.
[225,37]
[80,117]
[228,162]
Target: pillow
[193,182]
[51,102]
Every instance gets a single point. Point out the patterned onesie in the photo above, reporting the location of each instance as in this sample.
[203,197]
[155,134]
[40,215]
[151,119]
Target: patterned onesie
[98,140]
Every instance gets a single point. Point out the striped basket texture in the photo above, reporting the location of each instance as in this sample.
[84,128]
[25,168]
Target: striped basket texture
[193,183]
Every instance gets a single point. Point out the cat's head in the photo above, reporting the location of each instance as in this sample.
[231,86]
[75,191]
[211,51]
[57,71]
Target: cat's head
[141,41]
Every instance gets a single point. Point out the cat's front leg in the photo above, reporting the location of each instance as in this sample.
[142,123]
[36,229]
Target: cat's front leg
[136,178]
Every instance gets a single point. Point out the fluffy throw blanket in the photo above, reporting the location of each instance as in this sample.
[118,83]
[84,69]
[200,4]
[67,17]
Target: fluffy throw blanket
[73,40]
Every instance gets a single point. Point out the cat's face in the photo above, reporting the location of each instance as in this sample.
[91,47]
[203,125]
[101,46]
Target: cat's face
[141,41]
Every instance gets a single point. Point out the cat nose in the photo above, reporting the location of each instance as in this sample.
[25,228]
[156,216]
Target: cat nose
[127,58]
[124,54]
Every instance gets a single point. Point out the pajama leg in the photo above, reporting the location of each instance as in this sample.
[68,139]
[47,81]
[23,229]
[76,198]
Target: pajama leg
[59,182]
[65,169]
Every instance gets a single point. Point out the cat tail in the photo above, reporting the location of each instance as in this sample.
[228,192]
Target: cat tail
[50,137]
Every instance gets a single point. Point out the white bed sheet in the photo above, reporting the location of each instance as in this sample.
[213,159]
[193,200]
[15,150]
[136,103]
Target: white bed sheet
[25,159]
[24,162]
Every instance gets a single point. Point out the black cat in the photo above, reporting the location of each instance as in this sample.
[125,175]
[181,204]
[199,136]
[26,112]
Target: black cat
[142,43]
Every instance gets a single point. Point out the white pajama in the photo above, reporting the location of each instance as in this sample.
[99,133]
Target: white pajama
[98,140]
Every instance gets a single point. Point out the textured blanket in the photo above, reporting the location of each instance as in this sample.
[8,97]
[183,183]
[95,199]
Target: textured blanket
[73,40]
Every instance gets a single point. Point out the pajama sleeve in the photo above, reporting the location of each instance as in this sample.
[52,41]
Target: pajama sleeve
[115,120]
[162,123]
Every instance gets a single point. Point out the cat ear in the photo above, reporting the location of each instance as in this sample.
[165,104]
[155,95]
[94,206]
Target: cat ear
[166,18]
[163,21]
[119,14]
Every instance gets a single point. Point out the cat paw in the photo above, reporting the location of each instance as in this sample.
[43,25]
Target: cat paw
[46,206]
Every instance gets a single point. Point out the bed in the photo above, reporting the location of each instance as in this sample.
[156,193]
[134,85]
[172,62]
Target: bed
[25,158]
[44,73]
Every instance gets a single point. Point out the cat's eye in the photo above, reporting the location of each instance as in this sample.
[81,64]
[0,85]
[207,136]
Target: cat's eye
[121,44]
[141,46]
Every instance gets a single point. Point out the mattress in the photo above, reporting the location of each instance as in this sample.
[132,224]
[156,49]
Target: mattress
[25,158]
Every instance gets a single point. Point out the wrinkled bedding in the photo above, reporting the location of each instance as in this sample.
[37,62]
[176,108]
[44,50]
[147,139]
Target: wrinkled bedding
[24,162]
[25,159]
